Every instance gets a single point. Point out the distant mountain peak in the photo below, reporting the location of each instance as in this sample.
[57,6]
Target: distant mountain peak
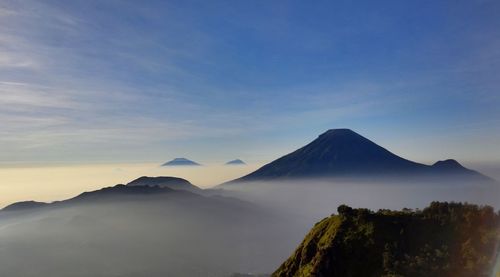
[451,166]
[180,162]
[24,205]
[236,162]
[449,163]
[165,182]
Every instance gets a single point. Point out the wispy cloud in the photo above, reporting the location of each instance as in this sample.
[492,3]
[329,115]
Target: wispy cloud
[88,76]
[22,96]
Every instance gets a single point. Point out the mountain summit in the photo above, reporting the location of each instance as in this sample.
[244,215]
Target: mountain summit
[449,165]
[165,182]
[236,162]
[343,152]
[180,162]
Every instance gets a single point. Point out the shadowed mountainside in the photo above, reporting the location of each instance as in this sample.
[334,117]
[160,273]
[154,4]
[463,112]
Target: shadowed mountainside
[344,153]
[143,231]
[445,239]
[108,194]
[165,182]
[24,205]
[141,186]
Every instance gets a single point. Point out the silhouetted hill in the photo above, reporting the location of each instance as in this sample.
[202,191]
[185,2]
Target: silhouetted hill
[108,194]
[24,205]
[118,192]
[144,231]
[445,239]
[449,165]
[165,182]
[344,153]
[236,162]
[180,162]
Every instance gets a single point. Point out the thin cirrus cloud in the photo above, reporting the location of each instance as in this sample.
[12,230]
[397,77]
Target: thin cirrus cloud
[121,77]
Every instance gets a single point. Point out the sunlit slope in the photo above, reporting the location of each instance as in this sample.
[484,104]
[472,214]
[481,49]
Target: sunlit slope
[445,239]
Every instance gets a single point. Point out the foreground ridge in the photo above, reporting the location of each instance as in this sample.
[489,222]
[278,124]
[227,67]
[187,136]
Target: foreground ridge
[444,239]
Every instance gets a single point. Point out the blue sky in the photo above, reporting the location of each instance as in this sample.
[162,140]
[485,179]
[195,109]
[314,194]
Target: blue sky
[99,81]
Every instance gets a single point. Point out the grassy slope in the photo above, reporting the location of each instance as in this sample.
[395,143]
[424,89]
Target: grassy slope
[445,239]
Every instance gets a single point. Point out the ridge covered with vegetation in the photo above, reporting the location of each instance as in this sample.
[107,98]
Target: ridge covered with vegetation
[444,239]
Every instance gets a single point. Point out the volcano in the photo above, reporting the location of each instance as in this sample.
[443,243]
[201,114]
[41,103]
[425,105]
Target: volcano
[345,153]
[181,162]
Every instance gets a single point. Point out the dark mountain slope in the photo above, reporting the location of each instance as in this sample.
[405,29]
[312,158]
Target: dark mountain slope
[344,153]
[120,191]
[142,186]
[165,182]
[108,194]
[144,231]
[445,239]
[24,205]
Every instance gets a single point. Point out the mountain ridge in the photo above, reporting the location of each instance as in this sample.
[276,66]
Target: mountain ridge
[345,153]
[117,192]
[444,239]
[165,181]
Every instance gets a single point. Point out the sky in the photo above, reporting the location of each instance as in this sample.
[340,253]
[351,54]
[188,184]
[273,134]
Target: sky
[147,81]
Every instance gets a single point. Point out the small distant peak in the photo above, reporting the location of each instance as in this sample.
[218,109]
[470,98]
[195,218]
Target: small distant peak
[24,205]
[180,161]
[449,163]
[236,162]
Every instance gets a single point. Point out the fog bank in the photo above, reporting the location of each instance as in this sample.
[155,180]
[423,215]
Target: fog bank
[147,236]
[315,199]
[55,182]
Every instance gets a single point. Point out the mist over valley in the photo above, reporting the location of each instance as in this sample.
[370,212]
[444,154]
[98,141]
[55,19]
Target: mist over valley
[161,226]
[179,138]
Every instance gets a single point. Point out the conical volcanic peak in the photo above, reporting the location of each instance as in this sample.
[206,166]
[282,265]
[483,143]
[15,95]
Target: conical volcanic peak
[345,145]
[345,153]
[236,162]
[337,152]
[181,162]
